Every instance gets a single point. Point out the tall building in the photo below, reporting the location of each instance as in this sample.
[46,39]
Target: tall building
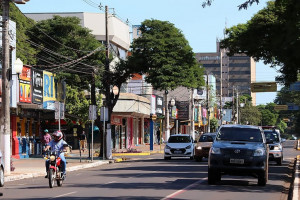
[238,71]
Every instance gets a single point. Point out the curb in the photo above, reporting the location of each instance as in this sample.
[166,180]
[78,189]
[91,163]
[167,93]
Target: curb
[73,168]
[138,154]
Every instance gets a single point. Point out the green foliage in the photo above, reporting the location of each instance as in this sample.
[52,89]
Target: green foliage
[165,55]
[250,115]
[281,126]
[71,48]
[244,5]
[213,124]
[272,35]
[24,50]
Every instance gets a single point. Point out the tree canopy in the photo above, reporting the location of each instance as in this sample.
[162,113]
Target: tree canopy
[272,35]
[241,6]
[163,53]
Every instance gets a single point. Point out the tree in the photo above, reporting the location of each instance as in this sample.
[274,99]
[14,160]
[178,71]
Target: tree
[272,35]
[66,48]
[250,115]
[163,53]
[214,124]
[241,6]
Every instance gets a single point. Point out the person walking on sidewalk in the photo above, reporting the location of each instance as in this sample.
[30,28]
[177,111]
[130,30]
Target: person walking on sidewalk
[59,145]
[46,138]
[82,139]
[158,136]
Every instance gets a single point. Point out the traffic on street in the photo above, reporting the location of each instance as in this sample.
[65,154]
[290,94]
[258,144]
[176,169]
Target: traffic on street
[152,177]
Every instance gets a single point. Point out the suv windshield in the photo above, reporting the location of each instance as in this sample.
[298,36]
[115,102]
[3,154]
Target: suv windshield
[207,138]
[271,135]
[239,134]
[179,139]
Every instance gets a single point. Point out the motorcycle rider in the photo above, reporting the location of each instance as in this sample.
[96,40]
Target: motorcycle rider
[59,145]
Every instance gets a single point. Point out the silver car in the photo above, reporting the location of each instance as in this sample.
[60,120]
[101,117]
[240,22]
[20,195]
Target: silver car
[179,145]
[275,144]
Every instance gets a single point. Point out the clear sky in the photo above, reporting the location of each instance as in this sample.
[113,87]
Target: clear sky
[201,26]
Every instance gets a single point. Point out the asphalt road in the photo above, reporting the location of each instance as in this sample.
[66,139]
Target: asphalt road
[151,177]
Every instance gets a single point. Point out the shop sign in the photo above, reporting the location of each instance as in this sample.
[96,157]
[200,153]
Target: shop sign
[49,94]
[183,110]
[159,105]
[37,86]
[116,120]
[25,87]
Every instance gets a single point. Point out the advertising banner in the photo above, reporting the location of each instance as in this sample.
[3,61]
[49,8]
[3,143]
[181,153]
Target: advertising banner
[25,88]
[183,110]
[49,94]
[37,86]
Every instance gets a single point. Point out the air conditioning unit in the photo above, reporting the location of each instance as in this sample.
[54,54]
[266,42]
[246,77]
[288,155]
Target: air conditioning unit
[20,1]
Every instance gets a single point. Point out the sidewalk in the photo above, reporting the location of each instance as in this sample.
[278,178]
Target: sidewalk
[35,167]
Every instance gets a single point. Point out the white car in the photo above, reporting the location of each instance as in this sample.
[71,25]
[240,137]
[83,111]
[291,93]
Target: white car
[179,145]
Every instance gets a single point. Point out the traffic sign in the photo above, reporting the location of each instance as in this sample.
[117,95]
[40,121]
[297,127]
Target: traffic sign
[92,112]
[292,106]
[280,107]
[264,87]
[59,110]
[295,86]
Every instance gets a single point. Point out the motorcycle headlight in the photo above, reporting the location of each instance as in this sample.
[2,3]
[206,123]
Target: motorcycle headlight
[215,150]
[188,147]
[52,158]
[259,152]
[167,147]
[199,147]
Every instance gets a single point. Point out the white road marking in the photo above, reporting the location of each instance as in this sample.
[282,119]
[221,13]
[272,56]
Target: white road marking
[110,182]
[184,189]
[63,195]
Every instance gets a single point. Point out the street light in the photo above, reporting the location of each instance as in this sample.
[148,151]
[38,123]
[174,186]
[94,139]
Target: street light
[18,66]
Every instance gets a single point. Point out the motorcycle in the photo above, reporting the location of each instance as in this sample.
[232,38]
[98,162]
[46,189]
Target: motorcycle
[55,169]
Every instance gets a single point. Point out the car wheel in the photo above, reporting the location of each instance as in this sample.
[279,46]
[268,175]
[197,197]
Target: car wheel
[262,178]
[211,176]
[1,177]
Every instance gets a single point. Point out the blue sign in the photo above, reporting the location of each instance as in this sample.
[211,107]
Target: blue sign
[295,86]
[293,107]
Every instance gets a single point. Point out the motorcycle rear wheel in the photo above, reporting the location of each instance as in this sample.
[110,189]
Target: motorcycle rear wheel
[51,176]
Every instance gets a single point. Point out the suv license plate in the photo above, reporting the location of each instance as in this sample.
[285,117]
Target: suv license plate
[177,152]
[237,161]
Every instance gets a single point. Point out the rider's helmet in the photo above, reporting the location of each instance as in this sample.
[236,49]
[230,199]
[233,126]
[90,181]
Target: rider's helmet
[46,131]
[57,135]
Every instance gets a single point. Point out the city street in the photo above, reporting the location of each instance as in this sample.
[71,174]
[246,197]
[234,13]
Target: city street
[151,177]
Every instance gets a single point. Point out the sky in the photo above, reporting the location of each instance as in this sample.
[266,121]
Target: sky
[201,26]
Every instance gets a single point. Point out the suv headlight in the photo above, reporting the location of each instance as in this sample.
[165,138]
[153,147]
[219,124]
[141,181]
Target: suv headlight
[188,147]
[259,152]
[167,147]
[215,150]
[278,148]
[199,147]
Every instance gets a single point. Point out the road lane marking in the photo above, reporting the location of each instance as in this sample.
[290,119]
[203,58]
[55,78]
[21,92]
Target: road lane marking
[63,195]
[184,189]
[110,182]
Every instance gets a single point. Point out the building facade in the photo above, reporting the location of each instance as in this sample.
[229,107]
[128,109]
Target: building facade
[234,73]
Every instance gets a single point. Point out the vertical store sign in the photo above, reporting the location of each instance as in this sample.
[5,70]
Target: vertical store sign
[25,88]
[49,93]
[37,86]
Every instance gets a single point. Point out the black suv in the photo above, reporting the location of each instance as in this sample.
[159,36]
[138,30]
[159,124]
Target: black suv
[239,150]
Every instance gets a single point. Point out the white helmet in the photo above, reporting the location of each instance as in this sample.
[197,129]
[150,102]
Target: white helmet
[57,135]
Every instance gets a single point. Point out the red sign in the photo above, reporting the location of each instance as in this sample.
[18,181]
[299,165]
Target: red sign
[116,120]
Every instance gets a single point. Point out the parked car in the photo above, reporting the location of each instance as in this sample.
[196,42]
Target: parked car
[239,150]
[203,145]
[275,146]
[179,145]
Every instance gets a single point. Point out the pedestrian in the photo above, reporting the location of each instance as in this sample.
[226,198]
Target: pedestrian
[82,139]
[158,136]
[46,138]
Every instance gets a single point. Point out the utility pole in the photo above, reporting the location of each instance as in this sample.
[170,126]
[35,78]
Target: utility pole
[207,103]
[107,85]
[193,114]
[167,126]
[237,106]
[221,85]
[5,120]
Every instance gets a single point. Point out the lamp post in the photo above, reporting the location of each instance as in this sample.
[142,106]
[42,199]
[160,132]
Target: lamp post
[241,105]
[172,103]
